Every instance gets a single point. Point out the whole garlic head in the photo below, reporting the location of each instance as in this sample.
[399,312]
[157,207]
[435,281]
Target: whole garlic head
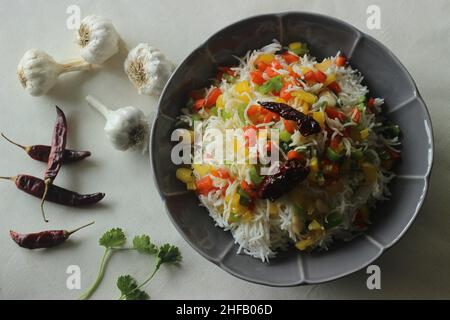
[98,39]
[127,128]
[148,69]
[38,72]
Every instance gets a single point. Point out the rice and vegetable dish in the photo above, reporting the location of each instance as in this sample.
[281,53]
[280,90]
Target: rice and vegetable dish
[336,150]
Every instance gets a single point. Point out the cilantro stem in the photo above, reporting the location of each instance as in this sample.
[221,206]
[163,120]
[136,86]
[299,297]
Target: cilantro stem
[101,273]
[114,240]
[150,277]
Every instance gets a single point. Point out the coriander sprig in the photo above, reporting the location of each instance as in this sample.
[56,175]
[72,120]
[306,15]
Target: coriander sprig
[166,254]
[113,241]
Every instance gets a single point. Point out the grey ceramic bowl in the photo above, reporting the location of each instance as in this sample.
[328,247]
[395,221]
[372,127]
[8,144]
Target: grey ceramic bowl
[385,76]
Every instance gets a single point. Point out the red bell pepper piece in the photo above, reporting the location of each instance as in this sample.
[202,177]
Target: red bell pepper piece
[212,97]
[257,77]
[320,76]
[335,87]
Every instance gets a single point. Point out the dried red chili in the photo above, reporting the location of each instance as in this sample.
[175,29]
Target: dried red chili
[35,187]
[56,156]
[306,124]
[43,239]
[41,152]
[290,174]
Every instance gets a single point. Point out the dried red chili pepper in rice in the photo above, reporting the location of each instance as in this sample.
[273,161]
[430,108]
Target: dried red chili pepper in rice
[290,174]
[306,124]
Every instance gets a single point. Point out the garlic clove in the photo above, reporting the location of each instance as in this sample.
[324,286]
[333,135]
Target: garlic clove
[98,39]
[38,72]
[148,69]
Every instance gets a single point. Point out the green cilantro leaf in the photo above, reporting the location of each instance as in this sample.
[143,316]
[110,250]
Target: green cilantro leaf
[168,254]
[128,288]
[113,238]
[126,284]
[144,245]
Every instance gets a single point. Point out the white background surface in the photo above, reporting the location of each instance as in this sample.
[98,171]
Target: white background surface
[418,32]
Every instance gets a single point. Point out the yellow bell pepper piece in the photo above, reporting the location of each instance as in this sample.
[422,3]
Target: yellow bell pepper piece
[305,96]
[235,200]
[314,165]
[305,107]
[247,216]
[244,98]
[220,104]
[279,100]
[238,210]
[303,244]
[370,172]
[273,209]
[314,225]
[184,175]
[297,224]
[330,78]
[324,65]
[319,116]
[202,169]
[242,87]
[364,133]
[191,186]
[236,207]
[295,46]
[265,57]
[304,70]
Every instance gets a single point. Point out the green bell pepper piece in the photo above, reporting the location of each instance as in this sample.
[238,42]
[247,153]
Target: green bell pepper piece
[285,136]
[214,111]
[255,177]
[275,84]
[333,155]
[241,110]
[333,219]
[244,198]
[357,154]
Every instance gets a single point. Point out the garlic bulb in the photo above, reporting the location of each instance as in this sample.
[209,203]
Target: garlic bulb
[126,128]
[38,72]
[98,39]
[148,69]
